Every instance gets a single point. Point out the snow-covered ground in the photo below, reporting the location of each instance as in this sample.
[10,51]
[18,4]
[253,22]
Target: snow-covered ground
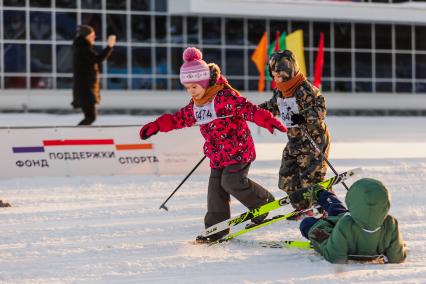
[110,230]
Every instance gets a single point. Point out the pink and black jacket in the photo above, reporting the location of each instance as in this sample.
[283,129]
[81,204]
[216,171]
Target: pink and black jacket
[223,125]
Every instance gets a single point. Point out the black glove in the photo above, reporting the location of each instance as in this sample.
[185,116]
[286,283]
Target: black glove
[297,119]
[319,235]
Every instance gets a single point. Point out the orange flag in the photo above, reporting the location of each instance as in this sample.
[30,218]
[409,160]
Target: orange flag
[259,57]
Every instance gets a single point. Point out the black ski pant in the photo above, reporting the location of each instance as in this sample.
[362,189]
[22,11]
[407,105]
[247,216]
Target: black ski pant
[232,180]
[89,114]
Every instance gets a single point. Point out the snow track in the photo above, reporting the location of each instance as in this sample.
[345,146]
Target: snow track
[110,230]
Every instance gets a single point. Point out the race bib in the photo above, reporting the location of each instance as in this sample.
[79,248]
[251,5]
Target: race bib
[205,114]
[287,107]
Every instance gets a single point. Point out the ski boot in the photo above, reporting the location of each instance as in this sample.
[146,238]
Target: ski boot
[210,239]
[305,198]
[206,240]
[261,218]
[257,220]
[203,240]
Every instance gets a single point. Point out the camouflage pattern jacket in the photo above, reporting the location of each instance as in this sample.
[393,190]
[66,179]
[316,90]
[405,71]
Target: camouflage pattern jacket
[308,102]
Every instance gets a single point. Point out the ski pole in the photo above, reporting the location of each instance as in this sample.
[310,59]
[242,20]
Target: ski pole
[306,133]
[187,176]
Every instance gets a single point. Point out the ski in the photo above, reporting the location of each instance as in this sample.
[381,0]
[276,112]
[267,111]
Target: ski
[282,244]
[226,224]
[294,215]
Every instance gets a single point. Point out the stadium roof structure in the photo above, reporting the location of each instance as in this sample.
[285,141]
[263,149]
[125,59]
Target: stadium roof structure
[407,12]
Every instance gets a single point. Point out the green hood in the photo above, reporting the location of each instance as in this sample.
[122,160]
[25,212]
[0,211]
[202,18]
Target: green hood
[368,203]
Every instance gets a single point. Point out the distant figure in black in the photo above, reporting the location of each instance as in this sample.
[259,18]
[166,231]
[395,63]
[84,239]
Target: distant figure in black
[86,72]
[4,204]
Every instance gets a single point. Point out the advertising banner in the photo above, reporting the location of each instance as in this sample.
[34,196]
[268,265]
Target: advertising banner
[105,150]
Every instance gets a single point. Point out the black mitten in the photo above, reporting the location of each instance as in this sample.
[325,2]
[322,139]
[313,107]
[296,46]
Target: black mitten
[297,119]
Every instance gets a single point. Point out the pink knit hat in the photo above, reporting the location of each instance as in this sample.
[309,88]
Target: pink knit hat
[194,69]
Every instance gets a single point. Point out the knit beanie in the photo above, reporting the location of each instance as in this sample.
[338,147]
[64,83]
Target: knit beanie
[194,69]
[284,63]
[84,30]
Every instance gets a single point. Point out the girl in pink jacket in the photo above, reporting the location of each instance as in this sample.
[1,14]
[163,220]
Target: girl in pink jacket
[221,113]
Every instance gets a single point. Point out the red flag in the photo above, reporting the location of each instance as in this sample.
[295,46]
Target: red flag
[276,48]
[277,41]
[319,62]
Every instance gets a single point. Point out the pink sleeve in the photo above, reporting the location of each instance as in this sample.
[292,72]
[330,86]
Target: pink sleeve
[180,119]
[241,107]
[251,112]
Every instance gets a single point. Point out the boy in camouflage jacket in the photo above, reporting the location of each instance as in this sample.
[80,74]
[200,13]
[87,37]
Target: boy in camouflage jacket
[302,108]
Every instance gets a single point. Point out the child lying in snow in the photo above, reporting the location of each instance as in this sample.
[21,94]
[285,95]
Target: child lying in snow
[365,229]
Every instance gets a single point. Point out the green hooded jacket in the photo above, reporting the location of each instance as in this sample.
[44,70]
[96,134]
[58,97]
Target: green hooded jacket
[366,229]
